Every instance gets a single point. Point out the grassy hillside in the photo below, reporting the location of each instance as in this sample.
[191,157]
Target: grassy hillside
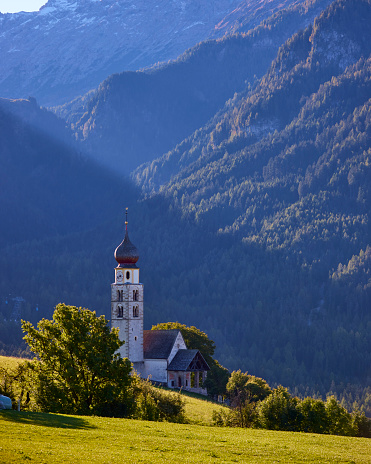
[9,362]
[46,438]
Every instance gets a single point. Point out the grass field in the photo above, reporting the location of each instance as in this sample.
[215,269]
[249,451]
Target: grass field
[50,438]
[9,362]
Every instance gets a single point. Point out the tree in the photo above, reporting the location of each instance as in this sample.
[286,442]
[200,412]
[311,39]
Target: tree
[217,379]
[76,369]
[247,387]
[340,421]
[279,411]
[14,382]
[244,391]
[313,416]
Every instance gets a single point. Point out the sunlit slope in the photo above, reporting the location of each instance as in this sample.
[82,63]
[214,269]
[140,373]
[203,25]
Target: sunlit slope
[48,438]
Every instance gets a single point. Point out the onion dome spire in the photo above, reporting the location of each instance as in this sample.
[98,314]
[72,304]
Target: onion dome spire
[126,254]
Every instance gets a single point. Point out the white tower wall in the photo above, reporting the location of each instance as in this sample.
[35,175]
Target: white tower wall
[127,312]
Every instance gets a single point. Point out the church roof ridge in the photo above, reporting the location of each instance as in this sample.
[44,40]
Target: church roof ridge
[185,360]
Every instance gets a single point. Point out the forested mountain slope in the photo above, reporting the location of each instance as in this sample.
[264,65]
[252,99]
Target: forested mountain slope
[135,117]
[309,59]
[283,173]
[48,188]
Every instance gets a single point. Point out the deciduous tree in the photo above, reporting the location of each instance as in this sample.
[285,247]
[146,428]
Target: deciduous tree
[77,369]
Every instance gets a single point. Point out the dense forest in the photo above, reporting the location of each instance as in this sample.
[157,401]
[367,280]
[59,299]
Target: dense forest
[283,174]
[255,228]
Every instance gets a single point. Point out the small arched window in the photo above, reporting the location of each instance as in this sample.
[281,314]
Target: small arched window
[135,311]
[120,311]
[127,275]
[135,295]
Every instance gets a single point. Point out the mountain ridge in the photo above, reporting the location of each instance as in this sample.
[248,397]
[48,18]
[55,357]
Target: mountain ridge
[68,47]
[135,117]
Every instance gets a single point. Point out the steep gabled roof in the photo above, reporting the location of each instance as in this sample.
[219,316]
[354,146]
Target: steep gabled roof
[157,344]
[188,360]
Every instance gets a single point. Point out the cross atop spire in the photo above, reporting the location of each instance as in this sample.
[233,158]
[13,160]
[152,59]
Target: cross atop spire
[126,219]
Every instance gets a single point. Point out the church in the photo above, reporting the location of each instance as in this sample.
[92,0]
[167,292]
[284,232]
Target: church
[159,355]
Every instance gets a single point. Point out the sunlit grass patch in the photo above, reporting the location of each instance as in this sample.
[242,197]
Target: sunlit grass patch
[51,438]
[9,362]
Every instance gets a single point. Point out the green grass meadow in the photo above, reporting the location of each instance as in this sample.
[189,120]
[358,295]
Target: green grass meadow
[9,362]
[51,438]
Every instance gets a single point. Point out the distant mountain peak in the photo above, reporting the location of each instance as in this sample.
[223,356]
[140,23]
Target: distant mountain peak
[68,47]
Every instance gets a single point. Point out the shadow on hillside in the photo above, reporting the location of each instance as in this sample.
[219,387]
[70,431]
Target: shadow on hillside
[46,420]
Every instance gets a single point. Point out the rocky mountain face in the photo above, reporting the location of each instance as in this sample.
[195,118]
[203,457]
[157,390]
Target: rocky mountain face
[135,117]
[70,46]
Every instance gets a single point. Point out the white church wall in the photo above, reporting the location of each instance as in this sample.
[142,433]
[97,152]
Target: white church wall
[156,369]
[178,345]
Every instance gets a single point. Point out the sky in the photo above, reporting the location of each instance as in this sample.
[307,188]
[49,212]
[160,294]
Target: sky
[13,6]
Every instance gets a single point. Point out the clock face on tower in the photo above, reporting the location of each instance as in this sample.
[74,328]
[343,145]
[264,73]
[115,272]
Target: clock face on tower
[119,276]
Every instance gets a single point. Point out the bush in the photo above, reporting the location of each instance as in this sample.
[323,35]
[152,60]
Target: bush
[313,414]
[279,411]
[155,404]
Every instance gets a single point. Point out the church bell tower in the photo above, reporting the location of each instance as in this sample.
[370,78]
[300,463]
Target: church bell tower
[127,301]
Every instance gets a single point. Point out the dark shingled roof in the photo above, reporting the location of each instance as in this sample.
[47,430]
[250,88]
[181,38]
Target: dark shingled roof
[157,344]
[188,360]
